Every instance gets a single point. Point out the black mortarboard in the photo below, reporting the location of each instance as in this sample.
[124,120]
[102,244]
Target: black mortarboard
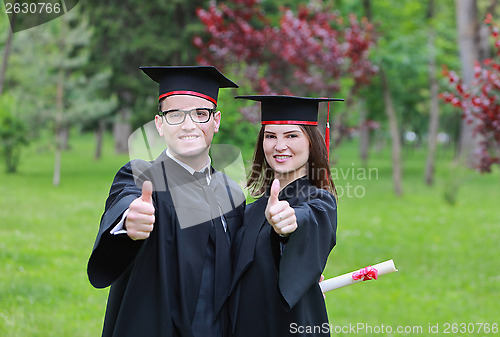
[278,109]
[201,81]
[289,109]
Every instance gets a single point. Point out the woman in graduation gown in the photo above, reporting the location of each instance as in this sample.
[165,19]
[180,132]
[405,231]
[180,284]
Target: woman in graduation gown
[288,233]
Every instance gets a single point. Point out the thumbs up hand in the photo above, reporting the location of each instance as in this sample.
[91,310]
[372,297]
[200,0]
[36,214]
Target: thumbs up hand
[279,213]
[140,217]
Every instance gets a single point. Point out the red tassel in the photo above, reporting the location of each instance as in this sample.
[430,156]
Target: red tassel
[327,133]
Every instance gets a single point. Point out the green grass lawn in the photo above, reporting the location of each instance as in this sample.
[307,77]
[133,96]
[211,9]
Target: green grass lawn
[447,255]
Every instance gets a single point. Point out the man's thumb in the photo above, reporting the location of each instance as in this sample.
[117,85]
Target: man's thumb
[147,192]
[275,190]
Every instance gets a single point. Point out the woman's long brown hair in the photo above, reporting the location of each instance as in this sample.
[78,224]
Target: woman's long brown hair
[318,171]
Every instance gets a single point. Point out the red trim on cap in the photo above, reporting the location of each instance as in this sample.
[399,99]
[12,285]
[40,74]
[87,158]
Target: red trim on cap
[289,122]
[327,133]
[187,92]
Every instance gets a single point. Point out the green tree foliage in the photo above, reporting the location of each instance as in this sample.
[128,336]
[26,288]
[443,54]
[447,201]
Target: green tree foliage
[39,54]
[234,130]
[129,34]
[403,52]
[48,65]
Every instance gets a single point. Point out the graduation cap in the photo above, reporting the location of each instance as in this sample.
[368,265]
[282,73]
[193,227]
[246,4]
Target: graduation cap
[200,81]
[280,109]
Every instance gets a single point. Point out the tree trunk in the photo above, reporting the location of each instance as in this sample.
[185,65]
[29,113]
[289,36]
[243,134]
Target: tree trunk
[367,6]
[65,138]
[59,137]
[6,52]
[434,107]
[122,132]
[364,133]
[340,129]
[99,134]
[395,135]
[11,158]
[59,127]
[466,13]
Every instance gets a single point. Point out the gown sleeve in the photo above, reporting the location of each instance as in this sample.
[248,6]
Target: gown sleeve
[305,255]
[113,254]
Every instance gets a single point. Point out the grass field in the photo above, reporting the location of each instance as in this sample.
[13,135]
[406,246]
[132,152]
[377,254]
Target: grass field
[447,255]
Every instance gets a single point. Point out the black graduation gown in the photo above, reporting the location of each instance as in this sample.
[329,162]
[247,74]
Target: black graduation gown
[277,294]
[155,282]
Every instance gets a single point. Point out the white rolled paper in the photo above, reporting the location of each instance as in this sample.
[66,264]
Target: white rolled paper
[346,279]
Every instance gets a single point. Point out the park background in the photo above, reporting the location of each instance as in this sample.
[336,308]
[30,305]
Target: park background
[417,182]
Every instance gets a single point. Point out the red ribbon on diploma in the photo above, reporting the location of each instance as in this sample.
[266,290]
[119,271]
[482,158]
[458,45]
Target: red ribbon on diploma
[366,273]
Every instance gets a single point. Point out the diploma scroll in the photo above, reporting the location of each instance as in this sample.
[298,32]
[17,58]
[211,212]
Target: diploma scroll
[367,273]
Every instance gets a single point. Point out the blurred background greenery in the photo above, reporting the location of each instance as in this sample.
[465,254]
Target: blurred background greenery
[71,94]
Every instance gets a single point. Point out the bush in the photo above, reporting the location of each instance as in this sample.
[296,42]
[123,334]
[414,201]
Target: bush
[13,131]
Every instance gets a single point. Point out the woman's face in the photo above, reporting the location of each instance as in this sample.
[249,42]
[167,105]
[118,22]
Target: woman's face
[286,148]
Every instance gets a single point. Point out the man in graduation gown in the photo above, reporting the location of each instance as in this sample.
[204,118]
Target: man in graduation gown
[164,240]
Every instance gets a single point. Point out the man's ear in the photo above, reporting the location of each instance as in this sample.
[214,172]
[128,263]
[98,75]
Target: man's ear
[217,118]
[159,124]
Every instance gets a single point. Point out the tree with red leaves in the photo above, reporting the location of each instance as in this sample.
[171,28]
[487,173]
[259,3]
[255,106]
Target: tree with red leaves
[480,103]
[307,53]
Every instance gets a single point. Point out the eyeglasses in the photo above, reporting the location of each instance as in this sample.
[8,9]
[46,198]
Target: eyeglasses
[198,115]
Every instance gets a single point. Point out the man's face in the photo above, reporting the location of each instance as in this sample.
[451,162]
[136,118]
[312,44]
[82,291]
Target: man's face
[189,141]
